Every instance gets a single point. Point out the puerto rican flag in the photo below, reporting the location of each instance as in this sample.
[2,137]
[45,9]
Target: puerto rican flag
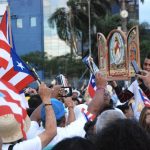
[11,103]
[4,51]
[4,41]
[144,98]
[4,25]
[17,73]
[92,86]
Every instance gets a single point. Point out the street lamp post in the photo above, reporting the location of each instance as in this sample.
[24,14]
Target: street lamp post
[89,23]
[89,16]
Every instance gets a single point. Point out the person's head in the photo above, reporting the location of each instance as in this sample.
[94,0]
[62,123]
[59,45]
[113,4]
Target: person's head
[146,65]
[75,143]
[124,134]
[34,101]
[59,111]
[107,117]
[145,119]
[127,109]
[75,93]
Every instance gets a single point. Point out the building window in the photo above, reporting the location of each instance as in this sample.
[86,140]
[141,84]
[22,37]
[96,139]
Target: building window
[19,23]
[33,21]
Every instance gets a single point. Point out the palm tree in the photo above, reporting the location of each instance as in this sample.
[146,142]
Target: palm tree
[70,24]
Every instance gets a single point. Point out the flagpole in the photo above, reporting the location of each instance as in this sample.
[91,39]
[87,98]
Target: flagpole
[35,74]
[9,27]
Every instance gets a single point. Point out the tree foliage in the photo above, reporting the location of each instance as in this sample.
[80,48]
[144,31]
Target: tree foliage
[52,66]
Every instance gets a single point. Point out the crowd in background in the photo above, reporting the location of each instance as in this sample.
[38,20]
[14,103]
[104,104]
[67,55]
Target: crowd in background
[113,119]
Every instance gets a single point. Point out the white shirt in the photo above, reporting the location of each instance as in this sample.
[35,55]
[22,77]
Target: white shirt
[75,128]
[32,144]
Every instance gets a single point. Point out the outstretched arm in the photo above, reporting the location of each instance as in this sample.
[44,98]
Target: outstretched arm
[97,104]
[50,125]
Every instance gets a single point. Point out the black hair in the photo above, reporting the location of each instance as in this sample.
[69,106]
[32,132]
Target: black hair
[34,102]
[123,107]
[148,55]
[75,143]
[123,134]
[89,129]
[59,122]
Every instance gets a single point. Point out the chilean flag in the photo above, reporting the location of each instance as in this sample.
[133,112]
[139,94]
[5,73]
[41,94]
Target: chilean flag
[92,86]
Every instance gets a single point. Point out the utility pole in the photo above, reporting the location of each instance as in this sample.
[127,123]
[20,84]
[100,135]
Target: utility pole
[89,16]
[124,15]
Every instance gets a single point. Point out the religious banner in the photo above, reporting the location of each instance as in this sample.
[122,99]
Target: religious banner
[117,55]
[133,48]
[102,54]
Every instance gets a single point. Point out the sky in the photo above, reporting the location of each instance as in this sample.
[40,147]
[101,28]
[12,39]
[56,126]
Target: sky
[144,11]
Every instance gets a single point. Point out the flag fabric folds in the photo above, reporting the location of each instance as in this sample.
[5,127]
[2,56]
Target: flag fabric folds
[92,86]
[89,116]
[11,103]
[4,25]
[4,51]
[145,99]
[15,71]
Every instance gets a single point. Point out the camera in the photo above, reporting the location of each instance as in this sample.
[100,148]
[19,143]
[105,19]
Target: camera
[66,91]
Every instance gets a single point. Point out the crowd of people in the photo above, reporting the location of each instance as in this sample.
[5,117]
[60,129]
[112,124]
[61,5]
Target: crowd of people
[57,122]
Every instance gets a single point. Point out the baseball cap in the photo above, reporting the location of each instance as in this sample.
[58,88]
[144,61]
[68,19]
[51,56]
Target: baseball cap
[58,107]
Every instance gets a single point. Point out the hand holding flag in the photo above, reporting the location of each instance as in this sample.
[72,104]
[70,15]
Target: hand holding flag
[88,61]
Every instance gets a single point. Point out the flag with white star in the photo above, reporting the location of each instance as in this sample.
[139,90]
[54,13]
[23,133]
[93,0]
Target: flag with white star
[17,72]
[92,86]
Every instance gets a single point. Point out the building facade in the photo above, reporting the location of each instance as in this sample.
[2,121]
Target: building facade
[27,25]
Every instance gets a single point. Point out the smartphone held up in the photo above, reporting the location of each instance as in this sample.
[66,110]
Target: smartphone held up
[135,67]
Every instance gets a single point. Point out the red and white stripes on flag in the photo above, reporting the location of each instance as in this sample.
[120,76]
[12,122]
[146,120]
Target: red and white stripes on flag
[17,78]
[11,103]
[15,71]
[4,51]
[92,86]
[145,99]
[89,116]
[4,25]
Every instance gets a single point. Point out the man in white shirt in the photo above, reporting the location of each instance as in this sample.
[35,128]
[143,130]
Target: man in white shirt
[75,128]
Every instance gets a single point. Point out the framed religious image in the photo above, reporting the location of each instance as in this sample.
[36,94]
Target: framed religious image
[102,54]
[133,48]
[117,55]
